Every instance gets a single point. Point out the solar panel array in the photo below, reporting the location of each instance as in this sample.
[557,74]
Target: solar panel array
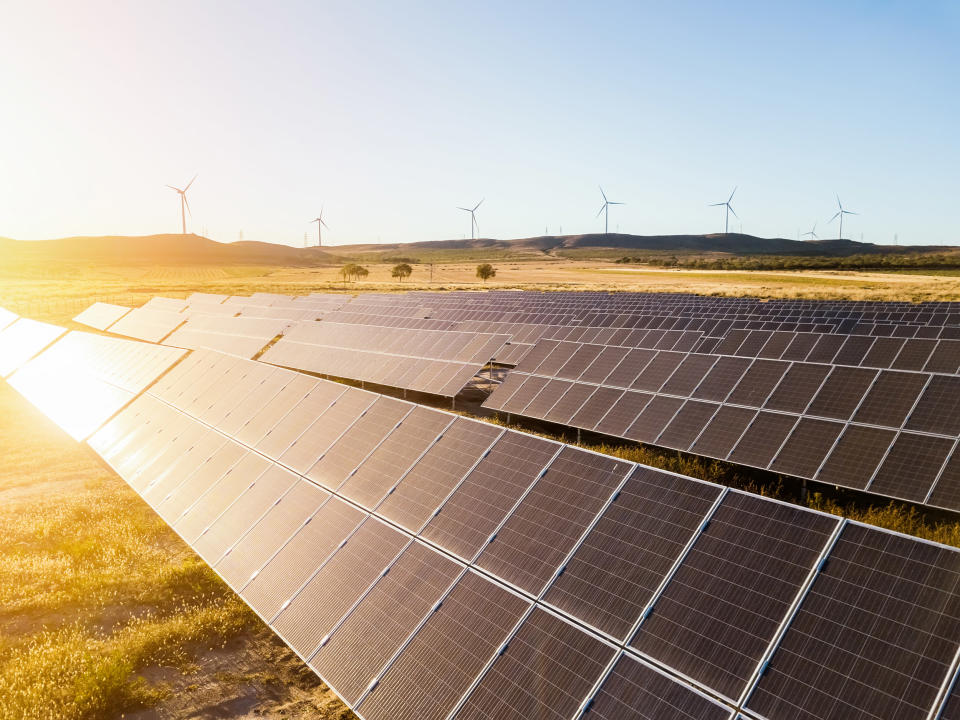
[431,566]
[887,431]
[151,324]
[430,361]
[6,317]
[82,380]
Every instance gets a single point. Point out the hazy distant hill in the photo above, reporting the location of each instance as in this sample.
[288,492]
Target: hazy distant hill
[196,250]
[160,250]
[734,243]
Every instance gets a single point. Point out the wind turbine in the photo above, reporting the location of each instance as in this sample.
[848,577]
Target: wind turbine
[184,205]
[319,221]
[605,209]
[813,233]
[726,222]
[840,213]
[473,217]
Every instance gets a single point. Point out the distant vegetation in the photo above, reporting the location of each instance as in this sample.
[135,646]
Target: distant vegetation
[486,271]
[352,271]
[873,261]
[401,271]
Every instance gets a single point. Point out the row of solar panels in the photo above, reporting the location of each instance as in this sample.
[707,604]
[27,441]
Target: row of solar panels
[438,565]
[889,432]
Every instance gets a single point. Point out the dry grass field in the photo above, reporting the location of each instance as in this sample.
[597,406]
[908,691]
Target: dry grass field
[105,613]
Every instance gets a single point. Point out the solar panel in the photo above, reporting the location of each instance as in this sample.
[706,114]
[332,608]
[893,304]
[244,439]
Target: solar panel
[758,382]
[621,414]
[723,431]
[423,489]
[856,456]
[23,339]
[336,582]
[358,441]
[687,424]
[251,550]
[480,503]
[729,595]
[548,522]
[301,416]
[148,324]
[762,439]
[807,447]
[635,689]
[891,398]
[873,638]
[99,316]
[841,392]
[937,410]
[352,654]
[7,317]
[721,379]
[654,418]
[911,466]
[621,562]
[546,671]
[378,474]
[439,664]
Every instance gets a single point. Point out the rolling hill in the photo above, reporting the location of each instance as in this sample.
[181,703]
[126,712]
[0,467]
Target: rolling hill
[197,250]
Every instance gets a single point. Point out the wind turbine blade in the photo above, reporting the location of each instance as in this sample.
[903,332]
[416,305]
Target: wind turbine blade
[731,210]
[190,183]
[173,188]
[324,224]
[615,203]
[850,212]
[478,205]
[839,204]
[464,209]
[187,203]
[833,218]
[602,208]
[733,193]
[603,193]
[715,204]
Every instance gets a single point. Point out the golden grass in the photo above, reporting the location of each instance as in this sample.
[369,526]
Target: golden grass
[95,588]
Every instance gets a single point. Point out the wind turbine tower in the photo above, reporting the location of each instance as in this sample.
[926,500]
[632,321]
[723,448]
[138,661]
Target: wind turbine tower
[726,222]
[840,213]
[812,234]
[605,209]
[319,221]
[473,218]
[184,205]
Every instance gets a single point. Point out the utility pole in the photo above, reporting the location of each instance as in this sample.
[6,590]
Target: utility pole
[431,272]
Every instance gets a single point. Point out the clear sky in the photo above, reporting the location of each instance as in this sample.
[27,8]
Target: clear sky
[390,114]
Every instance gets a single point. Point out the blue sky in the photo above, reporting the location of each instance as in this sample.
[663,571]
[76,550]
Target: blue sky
[391,114]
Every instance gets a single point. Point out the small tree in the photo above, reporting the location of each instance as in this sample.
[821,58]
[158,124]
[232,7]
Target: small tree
[401,271]
[486,271]
[351,271]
